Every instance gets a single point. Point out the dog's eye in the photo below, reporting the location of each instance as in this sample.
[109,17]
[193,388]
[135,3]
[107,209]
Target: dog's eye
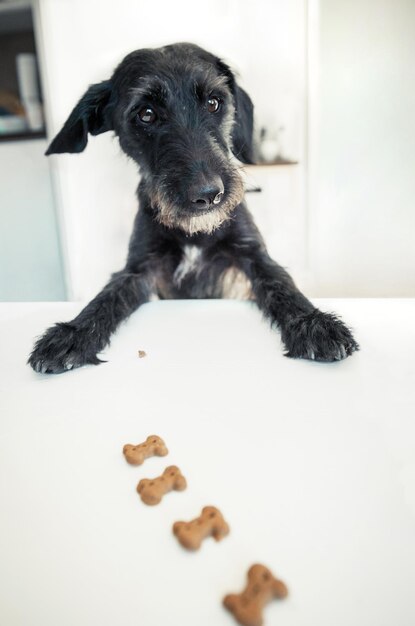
[147,115]
[213,105]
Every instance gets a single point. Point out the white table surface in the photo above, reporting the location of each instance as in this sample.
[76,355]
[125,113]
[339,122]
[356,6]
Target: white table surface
[313,466]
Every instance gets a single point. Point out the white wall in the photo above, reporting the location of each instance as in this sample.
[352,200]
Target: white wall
[82,42]
[362,237]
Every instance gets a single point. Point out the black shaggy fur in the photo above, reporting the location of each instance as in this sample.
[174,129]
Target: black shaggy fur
[179,113]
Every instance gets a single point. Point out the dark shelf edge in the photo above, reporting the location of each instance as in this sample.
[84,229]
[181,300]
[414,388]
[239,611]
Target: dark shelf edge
[4,138]
[272,164]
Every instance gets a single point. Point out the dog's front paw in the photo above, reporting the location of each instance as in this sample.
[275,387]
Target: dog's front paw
[63,347]
[318,336]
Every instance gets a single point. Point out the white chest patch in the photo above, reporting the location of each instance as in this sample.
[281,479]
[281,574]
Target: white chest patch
[190,260]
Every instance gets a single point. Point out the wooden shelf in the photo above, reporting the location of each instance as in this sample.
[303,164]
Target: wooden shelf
[278,163]
[15,17]
[25,136]
[14,5]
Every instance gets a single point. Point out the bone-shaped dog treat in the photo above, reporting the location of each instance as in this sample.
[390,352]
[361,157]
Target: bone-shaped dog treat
[152,490]
[209,523]
[262,587]
[152,446]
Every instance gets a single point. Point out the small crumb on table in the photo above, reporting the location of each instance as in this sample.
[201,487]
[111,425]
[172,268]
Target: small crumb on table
[141,354]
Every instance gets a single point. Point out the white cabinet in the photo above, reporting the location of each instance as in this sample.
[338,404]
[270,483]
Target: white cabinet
[265,42]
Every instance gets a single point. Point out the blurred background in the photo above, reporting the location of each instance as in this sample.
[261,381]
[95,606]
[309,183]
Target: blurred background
[334,93]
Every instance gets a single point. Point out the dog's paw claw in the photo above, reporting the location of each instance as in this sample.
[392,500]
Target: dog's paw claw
[318,336]
[61,349]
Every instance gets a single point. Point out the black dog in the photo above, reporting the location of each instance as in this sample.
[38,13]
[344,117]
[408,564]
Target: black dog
[179,113]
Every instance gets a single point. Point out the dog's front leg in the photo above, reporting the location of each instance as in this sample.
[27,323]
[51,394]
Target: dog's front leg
[306,331]
[71,344]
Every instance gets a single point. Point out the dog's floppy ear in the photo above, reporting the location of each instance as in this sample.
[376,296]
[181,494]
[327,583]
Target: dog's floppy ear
[91,115]
[242,133]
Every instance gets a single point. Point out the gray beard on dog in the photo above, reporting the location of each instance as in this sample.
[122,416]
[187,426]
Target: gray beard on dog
[171,216]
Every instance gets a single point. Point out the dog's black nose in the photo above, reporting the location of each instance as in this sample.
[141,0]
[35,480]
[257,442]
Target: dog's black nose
[210,193]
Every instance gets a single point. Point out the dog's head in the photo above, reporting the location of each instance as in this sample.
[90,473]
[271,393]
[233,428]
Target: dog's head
[179,113]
